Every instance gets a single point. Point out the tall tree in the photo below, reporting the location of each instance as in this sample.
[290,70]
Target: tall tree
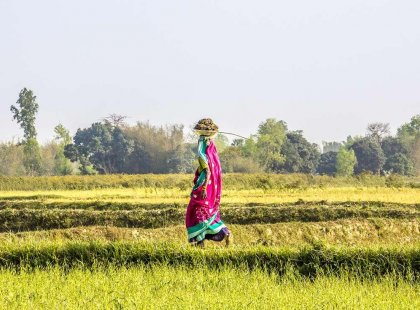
[233,159]
[345,162]
[300,155]
[11,159]
[221,142]
[369,154]
[409,135]
[182,159]
[154,147]
[378,131]
[271,136]
[102,145]
[62,165]
[25,115]
[327,163]
[397,157]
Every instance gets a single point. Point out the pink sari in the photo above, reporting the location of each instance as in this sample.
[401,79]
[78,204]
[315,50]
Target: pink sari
[203,216]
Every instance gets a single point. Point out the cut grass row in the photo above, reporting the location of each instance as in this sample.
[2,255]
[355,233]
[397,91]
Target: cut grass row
[311,262]
[163,287]
[183,181]
[14,220]
[261,196]
[117,205]
[349,232]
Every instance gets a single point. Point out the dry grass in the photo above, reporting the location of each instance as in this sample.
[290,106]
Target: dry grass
[350,232]
[160,195]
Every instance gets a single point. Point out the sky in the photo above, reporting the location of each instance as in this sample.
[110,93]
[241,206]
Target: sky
[326,67]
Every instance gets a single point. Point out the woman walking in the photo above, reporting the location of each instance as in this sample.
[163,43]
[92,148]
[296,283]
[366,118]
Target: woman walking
[203,216]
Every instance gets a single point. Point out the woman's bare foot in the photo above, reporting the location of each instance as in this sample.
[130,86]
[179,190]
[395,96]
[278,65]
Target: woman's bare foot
[229,239]
[199,244]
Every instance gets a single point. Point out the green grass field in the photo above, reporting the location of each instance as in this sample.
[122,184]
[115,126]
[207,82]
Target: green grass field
[162,287]
[119,242]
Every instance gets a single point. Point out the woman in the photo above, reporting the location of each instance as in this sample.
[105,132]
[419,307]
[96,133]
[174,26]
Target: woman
[203,216]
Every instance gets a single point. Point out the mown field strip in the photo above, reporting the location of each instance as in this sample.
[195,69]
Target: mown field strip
[15,220]
[308,262]
[116,205]
[349,232]
[163,287]
[161,195]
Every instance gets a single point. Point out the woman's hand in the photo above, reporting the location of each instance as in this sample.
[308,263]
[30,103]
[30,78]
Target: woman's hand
[204,193]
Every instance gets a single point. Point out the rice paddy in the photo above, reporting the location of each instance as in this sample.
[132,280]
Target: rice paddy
[119,243]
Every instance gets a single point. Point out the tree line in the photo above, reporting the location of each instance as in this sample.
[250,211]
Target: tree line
[112,146]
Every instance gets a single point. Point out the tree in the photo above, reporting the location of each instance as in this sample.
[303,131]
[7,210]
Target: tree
[221,142]
[249,148]
[154,147]
[25,115]
[234,160]
[11,159]
[32,157]
[369,154]
[410,129]
[397,157]
[300,155]
[115,120]
[345,162]
[409,135]
[182,159]
[62,165]
[378,131]
[103,146]
[399,163]
[62,134]
[327,163]
[270,138]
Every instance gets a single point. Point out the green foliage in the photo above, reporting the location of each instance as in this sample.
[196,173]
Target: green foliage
[32,157]
[409,135]
[11,159]
[25,113]
[397,157]
[399,163]
[221,142]
[234,160]
[327,163]
[300,155]
[369,154]
[345,162]
[271,136]
[154,148]
[62,135]
[62,165]
[410,129]
[103,146]
[182,159]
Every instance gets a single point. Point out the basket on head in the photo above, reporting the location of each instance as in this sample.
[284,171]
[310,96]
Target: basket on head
[206,127]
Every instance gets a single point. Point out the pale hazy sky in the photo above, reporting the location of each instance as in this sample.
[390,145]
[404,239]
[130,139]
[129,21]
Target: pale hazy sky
[327,67]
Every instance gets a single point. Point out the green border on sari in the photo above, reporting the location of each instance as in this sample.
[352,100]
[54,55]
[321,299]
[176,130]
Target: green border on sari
[200,230]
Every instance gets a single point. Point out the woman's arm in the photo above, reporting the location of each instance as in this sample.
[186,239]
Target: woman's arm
[203,165]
